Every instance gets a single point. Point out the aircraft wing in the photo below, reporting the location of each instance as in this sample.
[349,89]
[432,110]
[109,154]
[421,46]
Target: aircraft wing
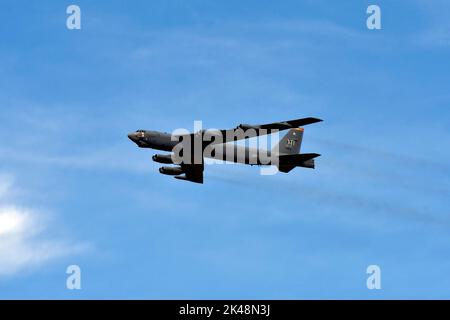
[263,129]
[283,125]
[192,172]
[229,135]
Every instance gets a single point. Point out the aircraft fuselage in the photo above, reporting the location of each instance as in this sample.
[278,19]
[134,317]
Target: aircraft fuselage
[225,151]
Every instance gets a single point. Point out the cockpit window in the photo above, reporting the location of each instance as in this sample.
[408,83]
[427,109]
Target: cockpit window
[141,133]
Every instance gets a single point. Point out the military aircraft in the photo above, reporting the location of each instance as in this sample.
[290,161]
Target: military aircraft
[192,148]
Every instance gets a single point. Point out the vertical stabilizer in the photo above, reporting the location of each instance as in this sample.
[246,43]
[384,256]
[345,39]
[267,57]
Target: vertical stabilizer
[290,143]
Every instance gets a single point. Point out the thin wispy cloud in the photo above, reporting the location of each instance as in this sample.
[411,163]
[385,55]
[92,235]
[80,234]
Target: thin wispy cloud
[435,33]
[433,37]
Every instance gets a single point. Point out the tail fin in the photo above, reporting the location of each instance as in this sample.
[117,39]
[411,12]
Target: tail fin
[290,143]
[288,151]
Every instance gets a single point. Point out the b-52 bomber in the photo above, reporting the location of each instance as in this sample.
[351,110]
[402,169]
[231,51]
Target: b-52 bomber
[188,150]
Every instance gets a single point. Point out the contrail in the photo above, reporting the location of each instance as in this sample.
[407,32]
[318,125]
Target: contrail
[387,155]
[407,181]
[400,163]
[336,198]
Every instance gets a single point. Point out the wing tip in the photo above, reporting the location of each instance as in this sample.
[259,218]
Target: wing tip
[315,119]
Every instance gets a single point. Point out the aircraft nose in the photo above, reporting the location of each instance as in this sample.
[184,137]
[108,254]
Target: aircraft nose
[132,136]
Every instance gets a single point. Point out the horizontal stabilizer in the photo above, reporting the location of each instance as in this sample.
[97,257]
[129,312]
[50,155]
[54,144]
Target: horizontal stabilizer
[297,158]
[290,161]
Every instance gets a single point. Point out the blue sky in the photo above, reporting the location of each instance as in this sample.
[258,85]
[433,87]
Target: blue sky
[74,190]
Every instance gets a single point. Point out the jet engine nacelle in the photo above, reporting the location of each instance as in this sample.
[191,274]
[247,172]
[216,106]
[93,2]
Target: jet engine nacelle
[163,158]
[171,171]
